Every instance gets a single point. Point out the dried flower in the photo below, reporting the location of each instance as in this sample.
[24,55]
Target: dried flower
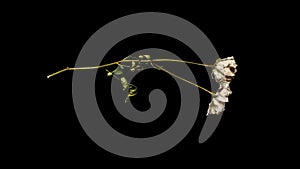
[223,72]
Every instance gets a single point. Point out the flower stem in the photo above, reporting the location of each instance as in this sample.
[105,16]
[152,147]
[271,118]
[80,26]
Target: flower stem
[168,60]
[182,61]
[82,68]
[154,60]
[174,75]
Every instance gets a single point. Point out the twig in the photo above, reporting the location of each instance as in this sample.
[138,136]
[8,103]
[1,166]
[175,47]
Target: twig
[154,60]
[83,68]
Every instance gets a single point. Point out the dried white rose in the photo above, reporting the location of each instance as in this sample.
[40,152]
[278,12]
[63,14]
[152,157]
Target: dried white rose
[223,72]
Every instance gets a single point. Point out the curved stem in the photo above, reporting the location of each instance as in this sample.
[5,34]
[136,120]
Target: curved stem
[174,75]
[58,72]
[182,61]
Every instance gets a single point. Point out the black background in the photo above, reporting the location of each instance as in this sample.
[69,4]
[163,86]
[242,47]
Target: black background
[54,35]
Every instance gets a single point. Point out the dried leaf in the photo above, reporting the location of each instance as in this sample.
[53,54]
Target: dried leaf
[147,57]
[132,63]
[109,74]
[124,83]
[138,68]
[118,71]
[132,90]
